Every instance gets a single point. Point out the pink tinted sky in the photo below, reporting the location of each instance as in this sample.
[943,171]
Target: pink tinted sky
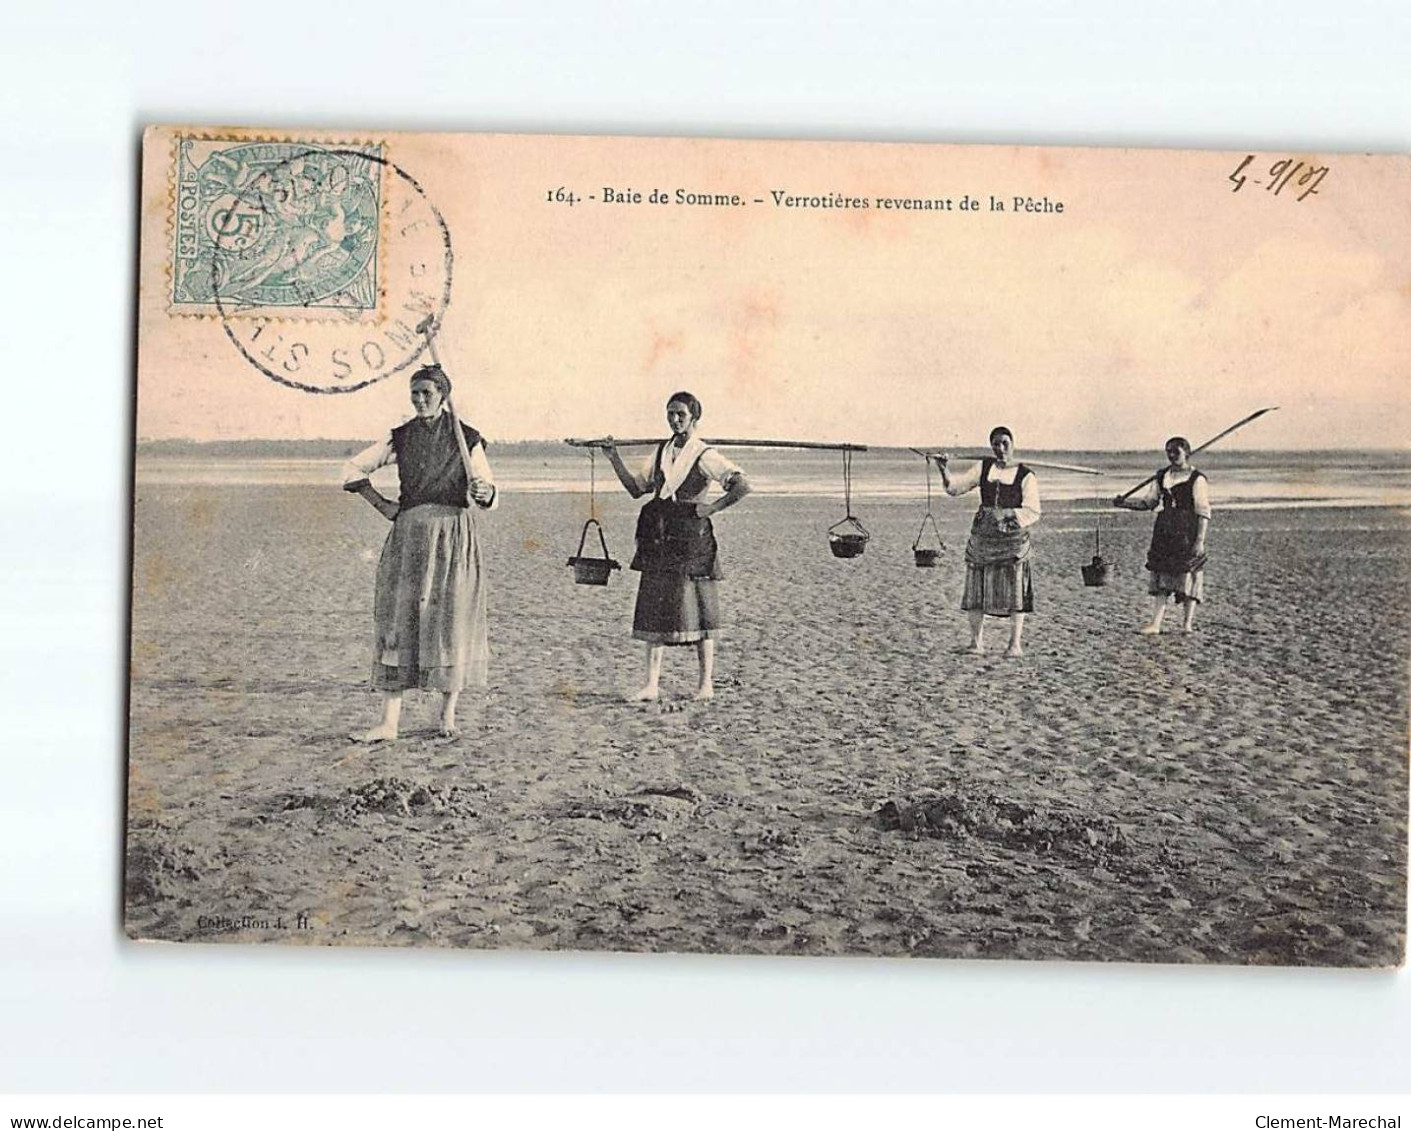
[1158,301]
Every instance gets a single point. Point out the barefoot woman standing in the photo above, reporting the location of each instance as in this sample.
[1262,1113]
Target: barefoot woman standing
[677,601]
[1176,559]
[429,611]
[998,581]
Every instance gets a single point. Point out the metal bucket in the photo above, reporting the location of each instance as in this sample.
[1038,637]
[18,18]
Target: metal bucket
[1097,572]
[588,570]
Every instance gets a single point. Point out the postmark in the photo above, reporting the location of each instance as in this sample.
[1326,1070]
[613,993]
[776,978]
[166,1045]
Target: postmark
[320,261]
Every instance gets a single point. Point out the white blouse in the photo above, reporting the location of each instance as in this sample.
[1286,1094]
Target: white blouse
[383,454]
[1027,513]
[713,464]
[1200,490]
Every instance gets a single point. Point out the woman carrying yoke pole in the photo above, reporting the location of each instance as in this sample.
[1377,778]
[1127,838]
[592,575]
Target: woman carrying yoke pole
[998,579]
[430,621]
[677,599]
[1176,559]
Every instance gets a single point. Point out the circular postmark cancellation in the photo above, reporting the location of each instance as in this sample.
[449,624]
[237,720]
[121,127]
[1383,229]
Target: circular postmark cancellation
[327,265]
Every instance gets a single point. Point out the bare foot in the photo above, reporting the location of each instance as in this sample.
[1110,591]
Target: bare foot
[976,648]
[647,695]
[381,733]
[1013,651]
[706,692]
[449,730]
[1150,630]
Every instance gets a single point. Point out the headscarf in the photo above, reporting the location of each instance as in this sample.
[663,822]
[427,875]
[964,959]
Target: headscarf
[436,375]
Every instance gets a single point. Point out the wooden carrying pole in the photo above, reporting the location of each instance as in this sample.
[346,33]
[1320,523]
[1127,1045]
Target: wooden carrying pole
[461,444]
[427,326]
[1219,436]
[930,454]
[725,443]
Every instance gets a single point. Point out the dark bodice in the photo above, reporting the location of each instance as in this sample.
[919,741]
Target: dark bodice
[429,462]
[1180,497]
[993,494]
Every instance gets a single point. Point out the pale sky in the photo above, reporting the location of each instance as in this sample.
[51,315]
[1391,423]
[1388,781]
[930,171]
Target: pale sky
[1157,302]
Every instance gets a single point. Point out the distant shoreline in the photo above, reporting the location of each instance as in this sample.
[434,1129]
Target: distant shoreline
[342,449]
[1264,478]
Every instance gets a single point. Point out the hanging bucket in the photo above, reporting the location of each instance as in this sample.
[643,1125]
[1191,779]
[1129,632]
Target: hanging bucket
[848,538]
[592,571]
[1097,572]
[927,556]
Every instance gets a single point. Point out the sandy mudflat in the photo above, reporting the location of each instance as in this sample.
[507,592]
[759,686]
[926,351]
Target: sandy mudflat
[859,785]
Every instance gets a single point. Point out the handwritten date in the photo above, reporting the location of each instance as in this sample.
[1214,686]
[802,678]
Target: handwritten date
[1279,175]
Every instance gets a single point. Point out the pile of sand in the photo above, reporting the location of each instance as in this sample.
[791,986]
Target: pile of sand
[390,796]
[1044,830]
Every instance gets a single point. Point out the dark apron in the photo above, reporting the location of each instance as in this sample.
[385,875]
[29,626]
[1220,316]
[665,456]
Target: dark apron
[1177,528]
[672,539]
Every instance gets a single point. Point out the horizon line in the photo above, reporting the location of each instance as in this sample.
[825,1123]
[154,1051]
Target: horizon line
[557,441]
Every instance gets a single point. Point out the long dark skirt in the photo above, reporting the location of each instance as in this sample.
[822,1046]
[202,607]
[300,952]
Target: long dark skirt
[430,615]
[675,609]
[1176,569]
[678,601]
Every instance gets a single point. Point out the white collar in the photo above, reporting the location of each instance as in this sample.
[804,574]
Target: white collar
[682,462]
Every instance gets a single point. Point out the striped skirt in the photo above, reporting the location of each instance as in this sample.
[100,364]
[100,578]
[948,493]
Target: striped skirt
[429,615]
[998,580]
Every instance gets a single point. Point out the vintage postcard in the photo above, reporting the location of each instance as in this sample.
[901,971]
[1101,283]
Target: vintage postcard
[774,548]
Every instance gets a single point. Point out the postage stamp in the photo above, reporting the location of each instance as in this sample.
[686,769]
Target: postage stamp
[288,225]
[327,265]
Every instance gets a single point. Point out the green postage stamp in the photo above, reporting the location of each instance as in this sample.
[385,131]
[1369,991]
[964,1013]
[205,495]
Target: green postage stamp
[281,226]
